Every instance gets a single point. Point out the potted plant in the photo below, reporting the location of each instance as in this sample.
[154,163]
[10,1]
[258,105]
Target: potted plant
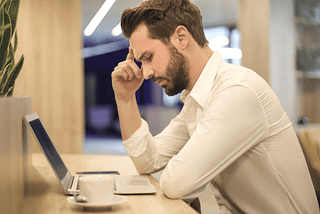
[15,145]
[9,71]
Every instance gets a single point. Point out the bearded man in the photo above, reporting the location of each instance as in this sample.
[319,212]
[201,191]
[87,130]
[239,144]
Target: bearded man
[231,133]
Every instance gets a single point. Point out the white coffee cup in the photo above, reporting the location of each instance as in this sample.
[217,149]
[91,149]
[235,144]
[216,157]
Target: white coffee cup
[97,189]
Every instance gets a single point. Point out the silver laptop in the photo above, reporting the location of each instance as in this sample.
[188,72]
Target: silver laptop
[124,184]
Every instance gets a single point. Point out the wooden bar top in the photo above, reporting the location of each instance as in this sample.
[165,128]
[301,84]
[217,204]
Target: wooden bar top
[44,194]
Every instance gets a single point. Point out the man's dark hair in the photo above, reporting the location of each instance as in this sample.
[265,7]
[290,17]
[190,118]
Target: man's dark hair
[162,17]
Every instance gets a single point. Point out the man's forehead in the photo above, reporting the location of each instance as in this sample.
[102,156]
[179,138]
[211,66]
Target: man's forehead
[139,51]
[136,51]
[139,38]
[142,44]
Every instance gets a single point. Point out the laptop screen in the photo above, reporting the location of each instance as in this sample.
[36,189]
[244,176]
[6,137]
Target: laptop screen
[49,149]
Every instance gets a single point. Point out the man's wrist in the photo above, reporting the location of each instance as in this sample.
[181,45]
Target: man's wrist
[125,99]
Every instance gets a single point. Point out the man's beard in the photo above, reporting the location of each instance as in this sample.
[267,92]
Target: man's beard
[177,72]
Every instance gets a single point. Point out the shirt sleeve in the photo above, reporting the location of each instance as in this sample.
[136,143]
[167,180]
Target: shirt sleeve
[151,154]
[232,124]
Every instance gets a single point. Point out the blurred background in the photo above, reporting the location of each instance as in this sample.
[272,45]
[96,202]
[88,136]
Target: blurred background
[70,54]
[71,48]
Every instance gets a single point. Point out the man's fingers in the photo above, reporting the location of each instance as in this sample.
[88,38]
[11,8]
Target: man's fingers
[130,55]
[120,73]
[128,69]
[130,65]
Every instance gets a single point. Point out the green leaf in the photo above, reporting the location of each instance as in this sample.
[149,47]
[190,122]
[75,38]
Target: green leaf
[5,75]
[10,56]
[15,44]
[9,92]
[3,28]
[2,4]
[5,40]
[1,86]
[13,76]
[13,12]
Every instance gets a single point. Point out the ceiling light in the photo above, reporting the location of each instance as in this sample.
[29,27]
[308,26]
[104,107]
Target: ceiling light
[98,17]
[218,42]
[230,53]
[116,31]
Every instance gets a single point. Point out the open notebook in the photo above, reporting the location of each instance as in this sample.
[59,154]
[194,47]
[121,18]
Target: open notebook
[124,184]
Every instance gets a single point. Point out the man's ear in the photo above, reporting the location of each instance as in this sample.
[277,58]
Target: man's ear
[180,38]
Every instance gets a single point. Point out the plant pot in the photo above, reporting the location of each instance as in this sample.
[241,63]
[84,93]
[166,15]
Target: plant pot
[15,152]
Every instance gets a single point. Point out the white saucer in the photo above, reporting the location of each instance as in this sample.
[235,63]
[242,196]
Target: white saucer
[117,200]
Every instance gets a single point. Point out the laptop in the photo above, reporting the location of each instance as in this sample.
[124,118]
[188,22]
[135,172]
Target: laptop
[124,184]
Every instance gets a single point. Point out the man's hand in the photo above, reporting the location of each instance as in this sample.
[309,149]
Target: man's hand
[127,78]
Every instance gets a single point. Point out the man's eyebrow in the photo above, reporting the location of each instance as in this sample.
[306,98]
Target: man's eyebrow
[142,55]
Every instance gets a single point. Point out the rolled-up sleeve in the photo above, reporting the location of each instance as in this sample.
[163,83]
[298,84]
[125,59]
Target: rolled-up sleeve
[151,154]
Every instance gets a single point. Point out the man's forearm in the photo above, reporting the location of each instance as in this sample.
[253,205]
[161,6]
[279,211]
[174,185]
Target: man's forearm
[129,116]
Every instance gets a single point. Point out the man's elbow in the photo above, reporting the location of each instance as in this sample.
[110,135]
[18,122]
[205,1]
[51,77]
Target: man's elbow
[145,170]
[172,189]
[142,171]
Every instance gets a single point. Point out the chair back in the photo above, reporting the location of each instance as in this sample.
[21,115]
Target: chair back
[310,142]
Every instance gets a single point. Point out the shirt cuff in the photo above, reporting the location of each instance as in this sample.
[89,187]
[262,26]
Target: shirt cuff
[133,145]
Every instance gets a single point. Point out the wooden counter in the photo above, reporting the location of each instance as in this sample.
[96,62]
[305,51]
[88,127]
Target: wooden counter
[45,195]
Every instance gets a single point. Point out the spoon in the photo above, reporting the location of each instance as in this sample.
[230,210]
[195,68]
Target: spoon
[79,198]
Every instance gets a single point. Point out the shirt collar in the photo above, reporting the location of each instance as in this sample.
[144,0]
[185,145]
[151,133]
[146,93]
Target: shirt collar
[202,88]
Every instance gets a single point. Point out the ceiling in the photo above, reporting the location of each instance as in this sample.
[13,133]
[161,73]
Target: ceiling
[214,12]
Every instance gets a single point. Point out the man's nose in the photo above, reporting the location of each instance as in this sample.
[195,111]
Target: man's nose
[147,73]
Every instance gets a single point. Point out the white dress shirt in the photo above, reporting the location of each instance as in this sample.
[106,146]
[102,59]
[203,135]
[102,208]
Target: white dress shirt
[233,134]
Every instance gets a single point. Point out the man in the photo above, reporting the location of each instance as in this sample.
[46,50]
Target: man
[231,132]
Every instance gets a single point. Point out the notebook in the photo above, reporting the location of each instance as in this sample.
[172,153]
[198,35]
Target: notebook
[124,184]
